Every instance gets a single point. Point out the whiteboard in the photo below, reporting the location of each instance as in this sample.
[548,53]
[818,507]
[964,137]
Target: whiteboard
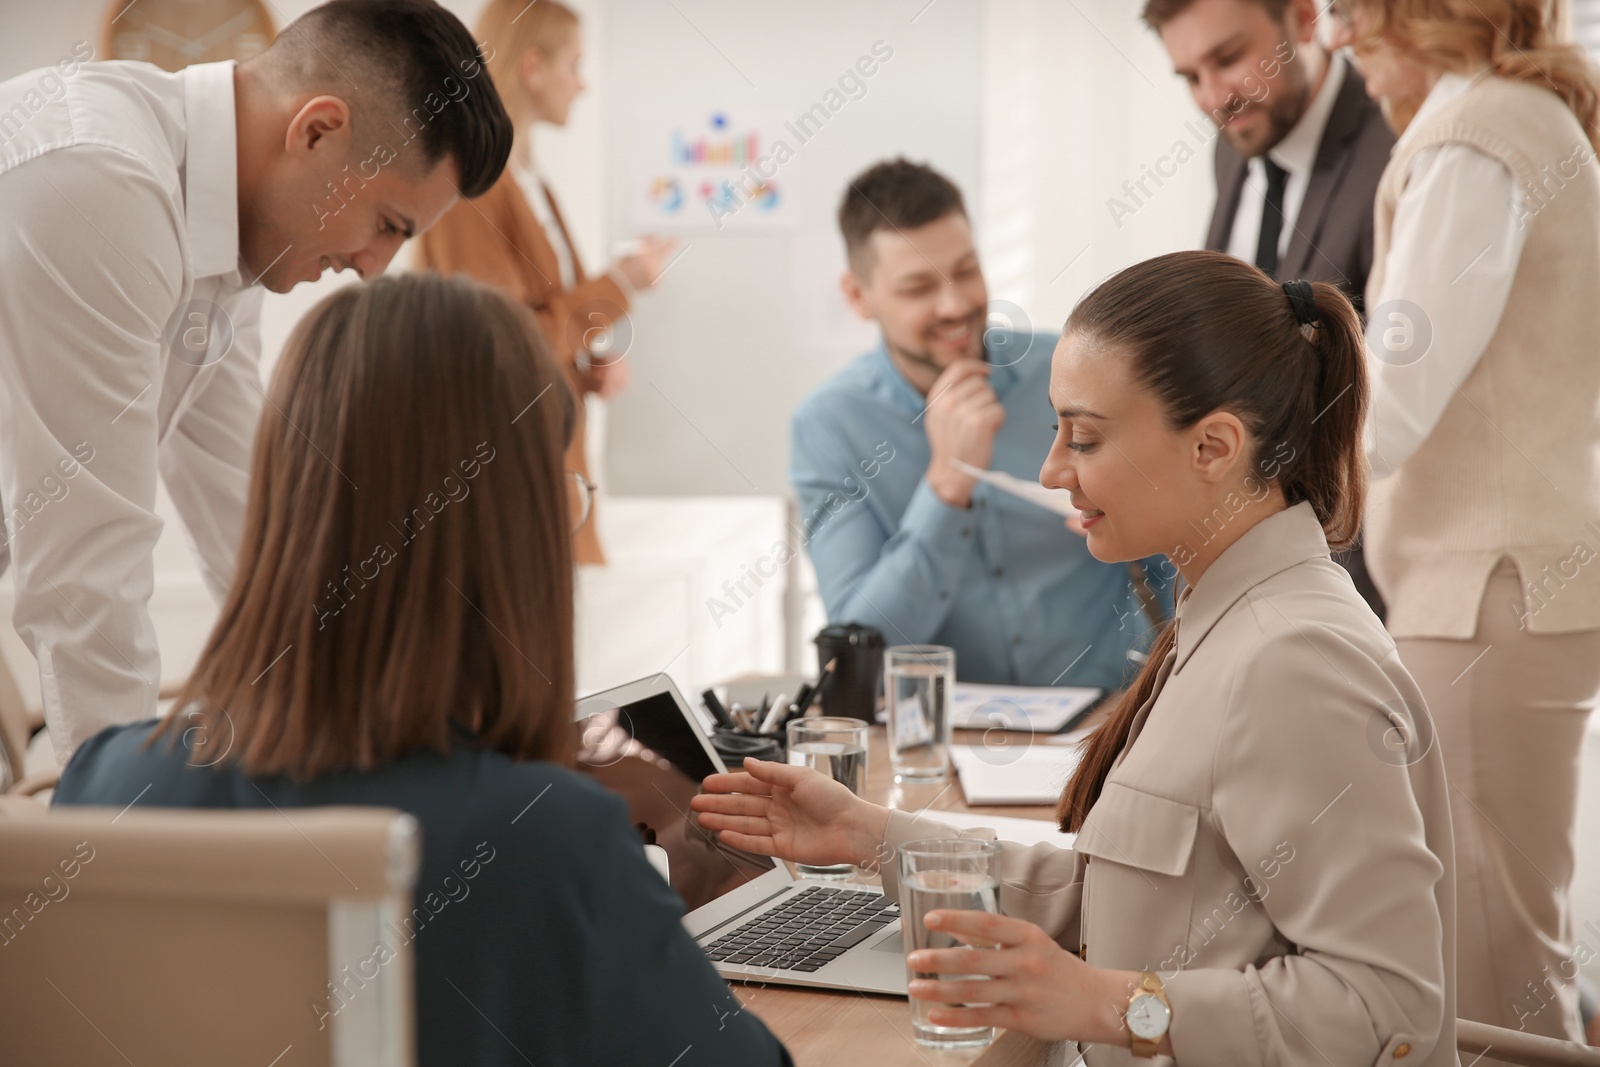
[748,319]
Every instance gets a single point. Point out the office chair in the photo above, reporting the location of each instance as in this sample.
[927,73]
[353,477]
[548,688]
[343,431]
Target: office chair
[204,937]
[1513,1046]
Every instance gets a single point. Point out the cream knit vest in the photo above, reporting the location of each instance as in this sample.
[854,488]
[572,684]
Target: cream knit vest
[1513,467]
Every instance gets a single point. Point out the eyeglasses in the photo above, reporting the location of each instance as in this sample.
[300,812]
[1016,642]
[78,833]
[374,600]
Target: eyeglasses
[580,498]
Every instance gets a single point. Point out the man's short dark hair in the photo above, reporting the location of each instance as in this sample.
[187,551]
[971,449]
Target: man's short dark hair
[1157,12]
[897,195]
[417,76]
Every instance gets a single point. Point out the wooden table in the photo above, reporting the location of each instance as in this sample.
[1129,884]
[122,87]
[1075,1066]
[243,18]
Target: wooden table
[822,1027]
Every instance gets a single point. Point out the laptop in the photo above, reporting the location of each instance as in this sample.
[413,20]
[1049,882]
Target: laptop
[756,920]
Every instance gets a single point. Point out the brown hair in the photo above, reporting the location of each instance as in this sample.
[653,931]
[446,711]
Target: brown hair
[894,195]
[1520,40]
[510,28]
[406,566]
[1157,12]
[1203,332]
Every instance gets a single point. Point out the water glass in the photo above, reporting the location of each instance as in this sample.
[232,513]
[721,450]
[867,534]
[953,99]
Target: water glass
[945,873]
[917,681]
[838,748]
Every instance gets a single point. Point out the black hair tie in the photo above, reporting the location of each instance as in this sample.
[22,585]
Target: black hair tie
[1302,301]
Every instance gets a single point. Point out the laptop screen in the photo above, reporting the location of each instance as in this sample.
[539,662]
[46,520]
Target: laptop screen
[648,752]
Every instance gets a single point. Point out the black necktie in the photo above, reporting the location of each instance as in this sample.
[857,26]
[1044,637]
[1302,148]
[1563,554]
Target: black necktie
[1271,217]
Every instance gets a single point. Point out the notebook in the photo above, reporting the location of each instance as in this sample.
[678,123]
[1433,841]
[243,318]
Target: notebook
[1040,709]
[1014,774]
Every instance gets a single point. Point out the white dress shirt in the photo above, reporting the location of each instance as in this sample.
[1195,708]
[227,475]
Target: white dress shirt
[123,285]
[1297,154]
[1453,255]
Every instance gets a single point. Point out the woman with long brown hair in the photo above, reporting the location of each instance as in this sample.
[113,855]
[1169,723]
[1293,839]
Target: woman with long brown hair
[515,237]
[400,634]
[1262,871]
[1485,445]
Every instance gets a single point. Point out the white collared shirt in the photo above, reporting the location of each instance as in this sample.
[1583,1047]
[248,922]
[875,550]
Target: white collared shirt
[1454,248]
[120,254]
[1297,154]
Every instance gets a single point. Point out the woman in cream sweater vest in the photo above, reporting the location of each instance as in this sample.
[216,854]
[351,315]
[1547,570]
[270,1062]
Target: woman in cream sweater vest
[514,237]
[1483,528]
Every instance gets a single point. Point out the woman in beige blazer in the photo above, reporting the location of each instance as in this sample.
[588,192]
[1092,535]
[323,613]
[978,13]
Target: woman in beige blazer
[1483,526]
[514,237]
[1263,832]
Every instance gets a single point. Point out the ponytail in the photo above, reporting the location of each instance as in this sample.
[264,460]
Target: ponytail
[1204,332]
[1333,475]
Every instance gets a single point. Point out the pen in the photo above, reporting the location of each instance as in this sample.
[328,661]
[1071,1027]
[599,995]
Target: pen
[802,701]
[718,712]
[816,690]
[775,715]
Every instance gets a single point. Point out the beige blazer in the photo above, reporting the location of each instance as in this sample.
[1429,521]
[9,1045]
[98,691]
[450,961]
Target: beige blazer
[1267,842]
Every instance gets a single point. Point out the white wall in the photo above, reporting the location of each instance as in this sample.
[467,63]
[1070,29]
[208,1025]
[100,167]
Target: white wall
[1078,98]
[729,345]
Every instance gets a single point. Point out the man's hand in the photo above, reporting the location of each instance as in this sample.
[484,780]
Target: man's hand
[963,416]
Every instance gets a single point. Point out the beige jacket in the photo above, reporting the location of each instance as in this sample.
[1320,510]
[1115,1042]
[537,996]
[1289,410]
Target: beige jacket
[1267,842]
[496,239]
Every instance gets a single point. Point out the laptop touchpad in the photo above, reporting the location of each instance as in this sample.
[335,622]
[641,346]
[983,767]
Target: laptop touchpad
[893,943]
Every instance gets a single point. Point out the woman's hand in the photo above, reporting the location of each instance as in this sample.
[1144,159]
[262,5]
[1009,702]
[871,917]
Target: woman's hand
[609,377]
[1035,985]
[644,266]
[794,813]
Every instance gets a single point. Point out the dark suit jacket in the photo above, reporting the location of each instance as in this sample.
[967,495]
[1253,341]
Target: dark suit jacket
[1332,236]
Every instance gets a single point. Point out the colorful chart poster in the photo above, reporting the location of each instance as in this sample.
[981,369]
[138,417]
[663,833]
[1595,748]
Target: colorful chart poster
[713,170]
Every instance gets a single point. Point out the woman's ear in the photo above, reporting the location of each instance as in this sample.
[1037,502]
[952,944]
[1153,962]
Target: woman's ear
[1217,445]
[531,68]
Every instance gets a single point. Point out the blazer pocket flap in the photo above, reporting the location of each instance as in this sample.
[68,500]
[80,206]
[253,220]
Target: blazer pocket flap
[1140,830]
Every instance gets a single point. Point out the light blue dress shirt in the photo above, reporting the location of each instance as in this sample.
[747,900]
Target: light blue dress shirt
[1003,582]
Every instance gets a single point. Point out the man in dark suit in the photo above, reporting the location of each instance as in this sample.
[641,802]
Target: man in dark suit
[1301,151]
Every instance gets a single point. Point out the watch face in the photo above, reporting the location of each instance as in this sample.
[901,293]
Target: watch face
[1148,1016]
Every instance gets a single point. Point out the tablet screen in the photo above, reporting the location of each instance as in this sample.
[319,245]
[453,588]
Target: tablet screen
[645,752]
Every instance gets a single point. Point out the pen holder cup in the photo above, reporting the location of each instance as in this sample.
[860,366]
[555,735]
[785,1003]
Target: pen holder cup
[734,746]
[855,688]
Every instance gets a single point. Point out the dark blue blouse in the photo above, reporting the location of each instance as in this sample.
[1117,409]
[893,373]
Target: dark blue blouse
[563,944]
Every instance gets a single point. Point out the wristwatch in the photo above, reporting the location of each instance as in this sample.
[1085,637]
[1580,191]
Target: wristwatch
[1148,1016]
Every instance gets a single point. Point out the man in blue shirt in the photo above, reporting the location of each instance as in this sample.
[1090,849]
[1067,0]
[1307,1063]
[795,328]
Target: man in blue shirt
[904,539]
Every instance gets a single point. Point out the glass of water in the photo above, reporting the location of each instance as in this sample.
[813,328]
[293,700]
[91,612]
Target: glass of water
[945,873]
[838,748]
[917,680]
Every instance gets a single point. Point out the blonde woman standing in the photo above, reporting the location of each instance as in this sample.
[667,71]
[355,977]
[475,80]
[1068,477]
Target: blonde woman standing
[1484,520]
[514,237]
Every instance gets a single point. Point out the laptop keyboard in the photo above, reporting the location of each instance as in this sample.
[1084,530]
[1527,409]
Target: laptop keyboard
[807,931]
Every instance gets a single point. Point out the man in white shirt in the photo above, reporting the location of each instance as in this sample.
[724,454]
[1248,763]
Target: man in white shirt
[1300,153]
[145,213]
